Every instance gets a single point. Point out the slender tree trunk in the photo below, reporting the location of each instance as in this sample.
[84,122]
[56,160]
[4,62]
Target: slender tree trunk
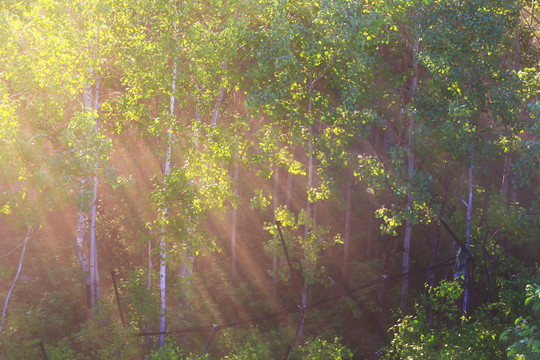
[94,285]
[506,175]
[371,245]
[405,269]
[88,106]
[275,264]
[467,272]
[410,170]
[81,252]
[91,104]
[289,190]
[307,270]
[94,200]
[162,284]
[186,267]
[513,177]
[218,105]
[347,237]
[15,279]
[437,233]
[234,227]
[507,178]
[162,260]
[149,286]
[435,241]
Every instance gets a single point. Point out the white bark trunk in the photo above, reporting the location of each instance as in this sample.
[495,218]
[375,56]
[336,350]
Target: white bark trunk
[347,237]
[275,258]
[162,284]
[149,281]
[307,270]
[91,103]
[163,253]
[234,225]
[94,285]
[410,170]
[162,260]
[467,274]
[15,279]
[81,252]
[218,105]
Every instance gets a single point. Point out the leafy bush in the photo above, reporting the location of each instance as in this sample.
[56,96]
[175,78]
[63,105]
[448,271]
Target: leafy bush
[451,336]
[525,332]
[319,349]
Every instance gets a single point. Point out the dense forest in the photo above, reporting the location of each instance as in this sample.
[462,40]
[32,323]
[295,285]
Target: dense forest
[269,179]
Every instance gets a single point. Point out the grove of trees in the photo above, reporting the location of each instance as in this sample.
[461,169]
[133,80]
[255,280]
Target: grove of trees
[269,179]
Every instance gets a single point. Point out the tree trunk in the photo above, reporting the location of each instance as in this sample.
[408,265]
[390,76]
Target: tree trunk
[94,200]
[15,279]
[506,175]
[94,289]
[275,258]
[372,247]
[234,228]
[149,286]
[81,252]
[410,170]
[162,263]
[466,267]
[91,104]
[218,105]
[162,258]
[94,285]
[289,190]
[347,236]
[508,187]
[307,270]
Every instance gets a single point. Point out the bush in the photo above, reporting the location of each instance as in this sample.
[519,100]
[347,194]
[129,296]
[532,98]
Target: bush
[525,332]
[451,335]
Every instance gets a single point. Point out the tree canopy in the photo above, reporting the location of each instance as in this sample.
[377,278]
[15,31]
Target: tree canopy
[269,179]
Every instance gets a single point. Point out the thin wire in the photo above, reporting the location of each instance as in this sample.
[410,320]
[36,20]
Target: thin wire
[382,278]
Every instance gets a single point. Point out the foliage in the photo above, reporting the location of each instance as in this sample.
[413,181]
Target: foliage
[451,336]
[319,349]
[525,332]
[202,106]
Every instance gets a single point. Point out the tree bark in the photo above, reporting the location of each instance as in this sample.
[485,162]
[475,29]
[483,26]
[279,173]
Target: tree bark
[466,265]
[149,285]
[91,105]
[347,236]
[81,252]
[234,228]
[410,170]
[289,190]
[307,270]
[94,200]
[275,258]
[162,260]
[372,247]
[218,105]
[94,285]
[506,175]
